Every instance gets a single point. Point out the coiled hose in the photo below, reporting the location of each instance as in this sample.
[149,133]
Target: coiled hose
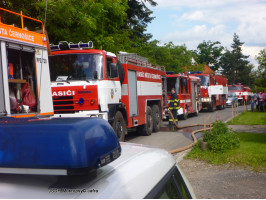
[192,134]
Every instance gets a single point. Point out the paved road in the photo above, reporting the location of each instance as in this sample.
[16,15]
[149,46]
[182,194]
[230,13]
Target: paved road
[173,140]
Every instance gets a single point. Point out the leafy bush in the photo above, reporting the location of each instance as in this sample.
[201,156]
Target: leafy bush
[221,138]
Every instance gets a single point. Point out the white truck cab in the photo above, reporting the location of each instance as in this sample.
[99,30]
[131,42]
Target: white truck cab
[140,172]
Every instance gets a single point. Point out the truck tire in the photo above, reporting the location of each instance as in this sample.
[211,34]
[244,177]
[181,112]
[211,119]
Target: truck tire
[213,106]
[156,118]
[185,114]
[147,128]
[119,126]
[197,111]
[223,106]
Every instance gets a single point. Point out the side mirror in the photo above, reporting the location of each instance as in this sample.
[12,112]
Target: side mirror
[113,70]
[184,82]
[95,75]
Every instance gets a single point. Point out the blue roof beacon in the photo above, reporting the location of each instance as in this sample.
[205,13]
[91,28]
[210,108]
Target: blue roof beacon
[56,146]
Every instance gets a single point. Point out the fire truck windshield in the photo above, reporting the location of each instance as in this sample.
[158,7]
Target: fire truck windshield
[235,87]
[172,82]
[76,66]
[204,80]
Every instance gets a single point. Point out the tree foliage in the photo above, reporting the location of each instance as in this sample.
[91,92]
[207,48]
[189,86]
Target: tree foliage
[172,57]
[139,16]
[261,72]
[235,65]
[209,53]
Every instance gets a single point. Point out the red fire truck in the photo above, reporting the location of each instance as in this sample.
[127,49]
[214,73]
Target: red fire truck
[243,93]
[214,90]
[188,90]
[125,90]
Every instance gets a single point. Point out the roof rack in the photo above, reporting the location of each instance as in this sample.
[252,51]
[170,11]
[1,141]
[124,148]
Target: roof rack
[22,19]
[135,59]
[64,45]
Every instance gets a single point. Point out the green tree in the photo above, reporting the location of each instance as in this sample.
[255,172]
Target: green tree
[172,57]
[209,53]
[261,72]
[99,21]
[138,18]
[235,65]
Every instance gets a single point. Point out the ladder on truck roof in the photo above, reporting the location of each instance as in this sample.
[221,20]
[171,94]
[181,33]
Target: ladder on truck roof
[22,23]
[135,59]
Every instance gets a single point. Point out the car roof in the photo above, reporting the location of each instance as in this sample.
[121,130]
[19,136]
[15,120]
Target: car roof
[133,175]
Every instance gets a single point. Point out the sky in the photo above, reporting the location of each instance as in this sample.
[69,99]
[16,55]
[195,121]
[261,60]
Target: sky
[190,22]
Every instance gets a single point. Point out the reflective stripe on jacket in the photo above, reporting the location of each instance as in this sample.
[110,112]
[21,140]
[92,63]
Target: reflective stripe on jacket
[174,102]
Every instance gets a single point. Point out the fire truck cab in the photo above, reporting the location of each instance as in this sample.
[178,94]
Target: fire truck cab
[24,73]
[125,89]
[188,91]
[243,93]
[214,90]
[247,94]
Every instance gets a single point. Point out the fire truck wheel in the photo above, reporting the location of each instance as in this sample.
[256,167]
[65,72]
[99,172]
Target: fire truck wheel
[185,114]
[119,126]
[197,111]
[156,117]
[146,129]
[223,106]
[212,106]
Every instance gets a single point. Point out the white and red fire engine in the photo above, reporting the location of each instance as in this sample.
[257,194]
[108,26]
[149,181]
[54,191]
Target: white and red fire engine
[24,72]
[92,83]
[214,90]
[188,91]
[243,93]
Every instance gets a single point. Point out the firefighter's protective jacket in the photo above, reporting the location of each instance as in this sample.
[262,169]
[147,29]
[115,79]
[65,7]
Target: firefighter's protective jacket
[174,102]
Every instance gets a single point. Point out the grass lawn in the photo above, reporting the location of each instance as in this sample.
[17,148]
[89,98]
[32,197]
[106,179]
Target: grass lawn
[251,153]
[249,118]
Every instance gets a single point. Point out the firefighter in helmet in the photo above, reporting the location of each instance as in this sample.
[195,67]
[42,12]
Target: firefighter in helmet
[173,107]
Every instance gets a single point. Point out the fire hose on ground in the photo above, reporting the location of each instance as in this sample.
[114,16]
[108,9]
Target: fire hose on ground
[193,134]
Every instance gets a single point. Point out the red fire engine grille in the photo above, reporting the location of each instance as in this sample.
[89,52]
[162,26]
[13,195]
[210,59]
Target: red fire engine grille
[64,104]
[80,99]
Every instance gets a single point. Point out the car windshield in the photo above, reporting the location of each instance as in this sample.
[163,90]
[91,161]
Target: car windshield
[235,88]
[76,67]
[231,95]
[172,82]
[204,80]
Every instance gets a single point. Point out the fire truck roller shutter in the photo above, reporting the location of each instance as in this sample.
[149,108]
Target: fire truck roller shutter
[133,94]
[121,71]
[2,98]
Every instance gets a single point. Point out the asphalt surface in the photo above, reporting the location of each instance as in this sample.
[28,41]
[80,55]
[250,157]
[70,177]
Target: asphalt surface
[174,140]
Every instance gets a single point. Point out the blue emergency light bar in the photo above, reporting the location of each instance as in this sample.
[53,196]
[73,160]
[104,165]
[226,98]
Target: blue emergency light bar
[57,146]
[64,45]
[170,72]
[196,72]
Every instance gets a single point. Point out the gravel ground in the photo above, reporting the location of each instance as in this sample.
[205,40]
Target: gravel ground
[223,181]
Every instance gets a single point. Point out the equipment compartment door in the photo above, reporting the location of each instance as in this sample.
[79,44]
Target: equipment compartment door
[193,95]
[133,98]
[2,96]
